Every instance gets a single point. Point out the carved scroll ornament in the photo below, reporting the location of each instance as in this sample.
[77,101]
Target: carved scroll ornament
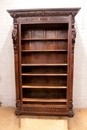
[73,34]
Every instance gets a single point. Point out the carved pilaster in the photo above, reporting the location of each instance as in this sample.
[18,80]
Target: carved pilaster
[15,45]
[15,38]
[71,113]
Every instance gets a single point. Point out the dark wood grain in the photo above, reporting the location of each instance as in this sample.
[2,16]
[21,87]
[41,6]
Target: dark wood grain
[44,55]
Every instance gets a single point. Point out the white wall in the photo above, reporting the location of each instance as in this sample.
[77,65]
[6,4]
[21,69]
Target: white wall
[7,78]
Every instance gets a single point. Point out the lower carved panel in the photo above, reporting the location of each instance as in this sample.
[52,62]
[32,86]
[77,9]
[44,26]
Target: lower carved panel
[44,109]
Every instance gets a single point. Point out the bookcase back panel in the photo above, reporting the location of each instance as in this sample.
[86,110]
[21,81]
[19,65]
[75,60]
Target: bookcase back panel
[45,34]
[44,69]
[44,45]
[44,58]
[44,103]
[44,80]
[44,93]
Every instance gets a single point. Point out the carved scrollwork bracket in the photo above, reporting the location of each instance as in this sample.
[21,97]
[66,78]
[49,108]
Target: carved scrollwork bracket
[17,107]
[15,38]
[71,113]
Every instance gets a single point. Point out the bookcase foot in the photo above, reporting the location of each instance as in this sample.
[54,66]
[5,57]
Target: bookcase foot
[71,113]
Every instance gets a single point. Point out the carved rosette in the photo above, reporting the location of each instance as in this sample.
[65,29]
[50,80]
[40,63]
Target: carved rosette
[15,38]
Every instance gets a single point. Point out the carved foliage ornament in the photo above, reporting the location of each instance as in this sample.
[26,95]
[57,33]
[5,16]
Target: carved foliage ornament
[73,34]
[14,37]
[14,33]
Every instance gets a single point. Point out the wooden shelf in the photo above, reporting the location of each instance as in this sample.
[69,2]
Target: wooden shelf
[43,50]
[43,100]
[27,74]
[43,39]
[48,87]
[44,64]
[42,105]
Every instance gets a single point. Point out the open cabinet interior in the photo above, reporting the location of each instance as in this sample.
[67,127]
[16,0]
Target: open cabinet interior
[44,53]
[44,60]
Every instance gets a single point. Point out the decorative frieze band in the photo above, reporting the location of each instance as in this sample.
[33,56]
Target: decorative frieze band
[30,13]
[41,19]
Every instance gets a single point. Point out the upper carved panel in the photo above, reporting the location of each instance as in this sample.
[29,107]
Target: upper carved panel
[43,12]
[41,19]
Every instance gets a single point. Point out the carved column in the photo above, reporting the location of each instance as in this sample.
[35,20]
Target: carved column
[71,113]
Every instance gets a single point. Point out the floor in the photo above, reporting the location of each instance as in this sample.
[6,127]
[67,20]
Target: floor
[8,121]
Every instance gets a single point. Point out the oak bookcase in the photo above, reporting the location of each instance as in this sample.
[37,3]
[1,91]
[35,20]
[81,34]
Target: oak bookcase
[43,50]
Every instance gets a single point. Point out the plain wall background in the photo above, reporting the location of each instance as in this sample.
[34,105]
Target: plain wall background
[7,77]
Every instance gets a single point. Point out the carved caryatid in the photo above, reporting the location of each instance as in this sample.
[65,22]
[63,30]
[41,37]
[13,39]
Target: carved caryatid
[73,38]
[73,32]
[14,33]
[73,35]
[15,38]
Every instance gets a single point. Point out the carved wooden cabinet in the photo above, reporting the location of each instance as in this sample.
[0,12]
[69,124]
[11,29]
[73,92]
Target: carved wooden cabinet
[43,51]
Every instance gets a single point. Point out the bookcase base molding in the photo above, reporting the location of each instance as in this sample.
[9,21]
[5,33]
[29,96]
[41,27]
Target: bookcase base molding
[44,54]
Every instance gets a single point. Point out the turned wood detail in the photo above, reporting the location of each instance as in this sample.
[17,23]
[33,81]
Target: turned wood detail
[15,38]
